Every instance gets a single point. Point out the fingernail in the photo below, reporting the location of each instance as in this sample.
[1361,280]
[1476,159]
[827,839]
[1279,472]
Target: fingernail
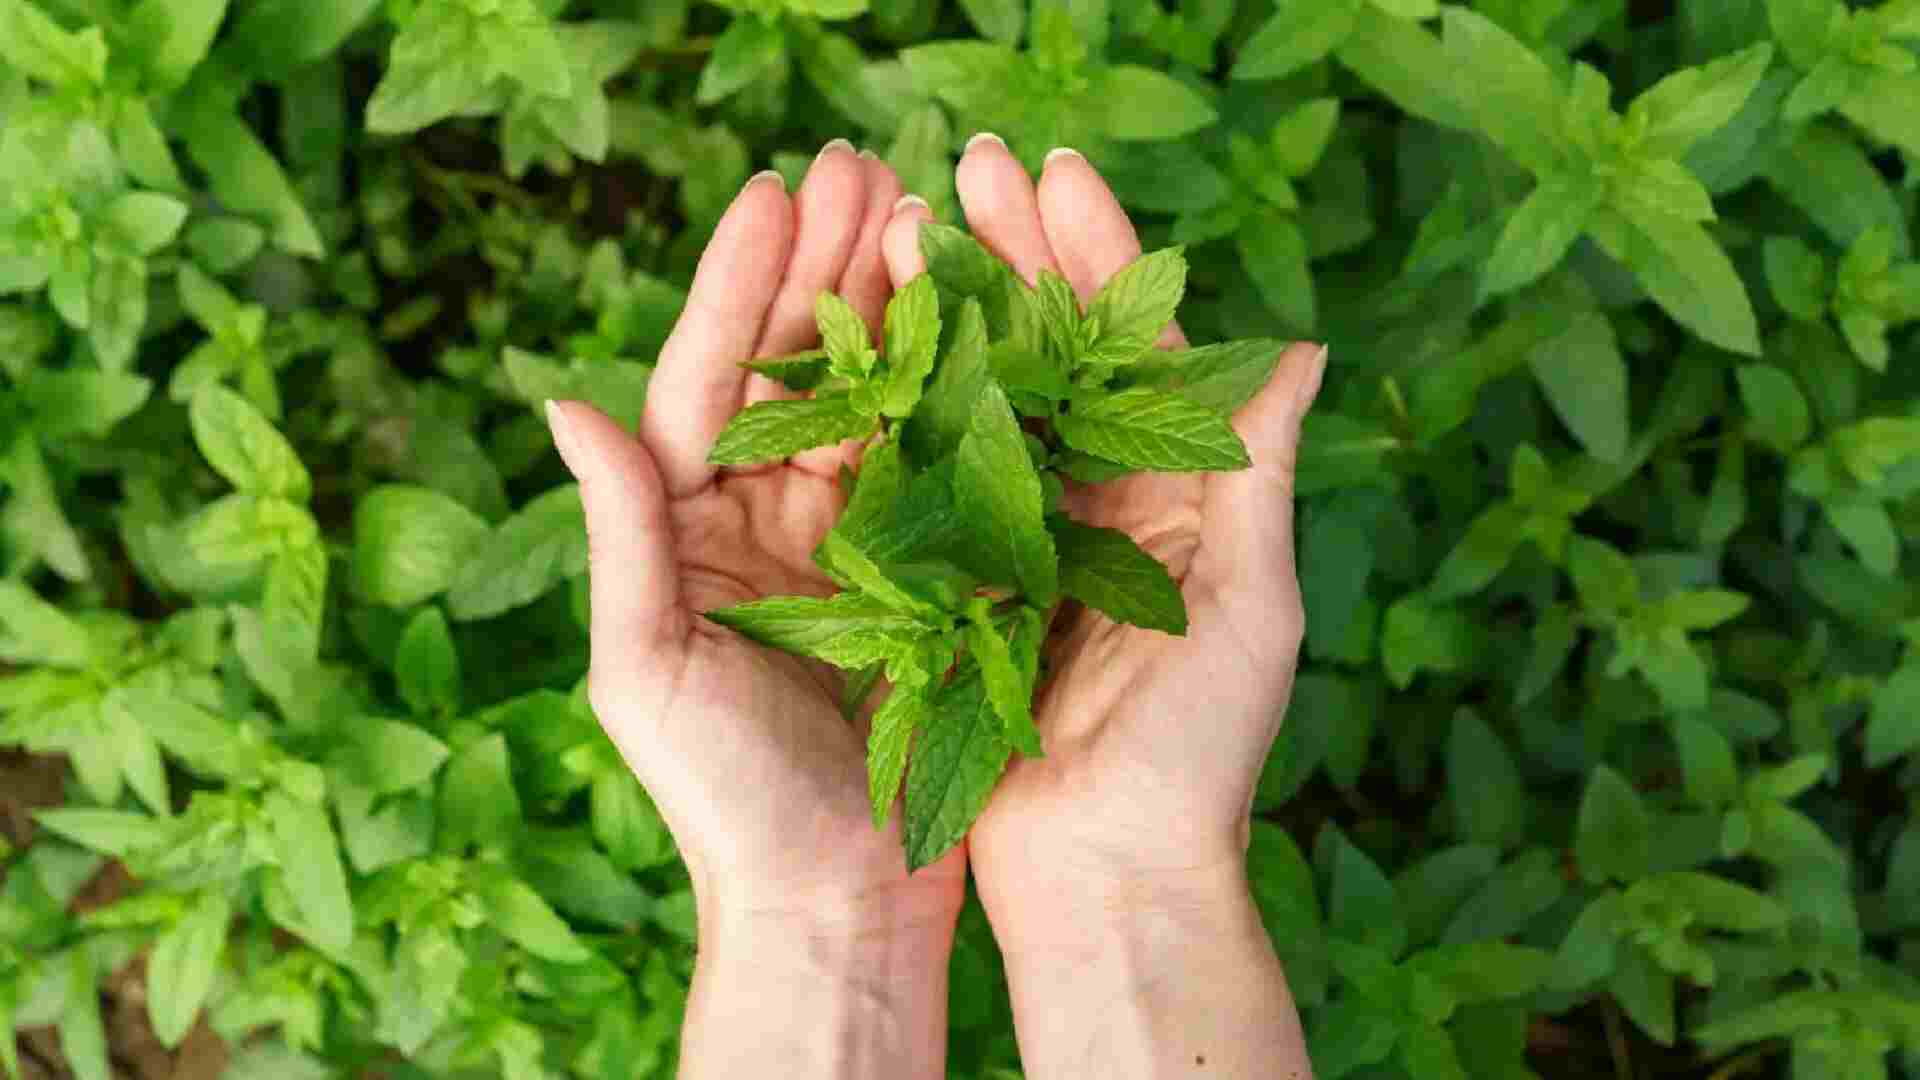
[868,155]
[985,137]
[1310,386]
[907,202]
[836,144]
[562,430]
[765,174]
[1062,152]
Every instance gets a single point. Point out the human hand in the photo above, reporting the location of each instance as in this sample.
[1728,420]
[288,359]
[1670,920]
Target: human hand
[1134,825]
[744,749]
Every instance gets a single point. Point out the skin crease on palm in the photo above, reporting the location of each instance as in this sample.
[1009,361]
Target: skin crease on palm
[1153,743]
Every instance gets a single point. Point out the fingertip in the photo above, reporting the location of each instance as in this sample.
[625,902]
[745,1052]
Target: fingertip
[1270,423]
[998,199]
[901,243]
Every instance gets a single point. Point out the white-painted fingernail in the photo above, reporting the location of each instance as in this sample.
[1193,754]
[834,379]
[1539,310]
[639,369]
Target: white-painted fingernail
[907,202]
[562,430]
[986,137]
[1063,152]
[766,174]
[869,155]
[836,144]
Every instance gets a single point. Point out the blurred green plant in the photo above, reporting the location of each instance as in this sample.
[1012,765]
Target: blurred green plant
[1607,741]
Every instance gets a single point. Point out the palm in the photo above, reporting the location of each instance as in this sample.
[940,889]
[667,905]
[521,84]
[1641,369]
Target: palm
[796,775]
[1117,715]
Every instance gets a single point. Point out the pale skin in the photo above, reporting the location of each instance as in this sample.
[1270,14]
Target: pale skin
[1112,869]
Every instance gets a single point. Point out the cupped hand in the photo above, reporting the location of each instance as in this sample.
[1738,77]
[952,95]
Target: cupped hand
[1153,743]
[743,748]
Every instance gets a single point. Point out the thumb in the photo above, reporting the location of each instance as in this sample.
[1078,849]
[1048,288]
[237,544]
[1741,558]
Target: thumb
[633,575]
[1249,514]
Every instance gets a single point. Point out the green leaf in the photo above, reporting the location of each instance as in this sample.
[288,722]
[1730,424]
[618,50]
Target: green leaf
[1514,99]
[912,336]
[276,36]
[1692,103]
[1584,376]
[110,832]
[1706,762]
[1798,277]
[751,49]
[1145,429]
[478,803]
[522,917]
[1776,412]
[1008,690]
[83,1037]
[182,966]
[1686,272]
[1283,889]
[79,401]
[1274,251]
[1003,21]
[1136,305]
[776,430]
[850,630]
[1614,835]
[1604,579]
[905,711]
[1221,377]
[844,336]
[244,447]
[1540,232]
[117,300]
[954,769]
[1131,102]
[1427,1053]
[1105,570]
[427,665]
[1646,993]
[309,855]
[245,176]
[1489,801]
[998,492]
[1294,36]
[521,559]
[1590,950]
[1419,635]
[1300,137]
[34,44]
[144,221]
[409,543]
[1362,907]
[33,631]
[390,757]
[1893,724]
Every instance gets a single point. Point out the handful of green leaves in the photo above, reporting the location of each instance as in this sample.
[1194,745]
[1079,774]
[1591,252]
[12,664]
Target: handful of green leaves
[955,547]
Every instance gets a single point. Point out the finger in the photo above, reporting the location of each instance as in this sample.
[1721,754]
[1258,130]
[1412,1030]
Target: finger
[696,388]
[1247,531]
[827,213]
[1089,234]
[901,244]
[632,573]
[998,198]
[864,285]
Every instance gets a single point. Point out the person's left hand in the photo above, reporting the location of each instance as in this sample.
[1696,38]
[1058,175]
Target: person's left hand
[744,749]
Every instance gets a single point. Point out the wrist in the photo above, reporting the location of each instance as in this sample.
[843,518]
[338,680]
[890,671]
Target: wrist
[1076,909]
[1149,976]
[847,986]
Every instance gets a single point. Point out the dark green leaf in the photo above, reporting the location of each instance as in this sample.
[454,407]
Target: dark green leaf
[1105,570]
[1615,831]
[1145,429]
[998,492]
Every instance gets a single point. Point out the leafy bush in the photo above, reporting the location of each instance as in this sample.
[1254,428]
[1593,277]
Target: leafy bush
[1605,746]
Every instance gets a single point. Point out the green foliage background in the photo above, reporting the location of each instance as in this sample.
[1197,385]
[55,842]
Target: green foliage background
[1603,754]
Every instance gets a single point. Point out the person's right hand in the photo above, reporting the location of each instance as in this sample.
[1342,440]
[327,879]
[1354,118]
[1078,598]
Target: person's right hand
[1126,843]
